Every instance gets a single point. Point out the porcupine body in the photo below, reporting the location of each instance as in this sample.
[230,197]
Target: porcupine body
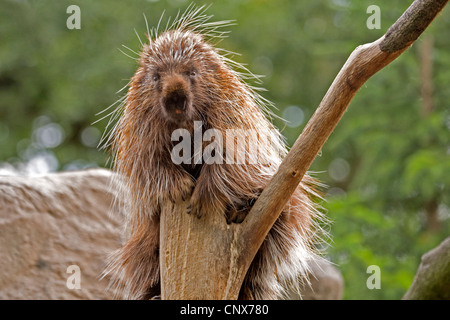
[184,79]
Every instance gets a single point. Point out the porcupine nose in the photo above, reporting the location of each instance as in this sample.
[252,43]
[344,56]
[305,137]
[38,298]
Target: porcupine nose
[175,99]
[175,102]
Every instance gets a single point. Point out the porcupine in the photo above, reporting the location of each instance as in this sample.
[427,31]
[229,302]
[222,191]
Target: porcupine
[183,77]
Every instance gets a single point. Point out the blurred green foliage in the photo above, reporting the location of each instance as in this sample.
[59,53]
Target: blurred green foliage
[387,165]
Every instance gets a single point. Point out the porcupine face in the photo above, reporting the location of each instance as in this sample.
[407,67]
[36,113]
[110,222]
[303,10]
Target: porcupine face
[177,67]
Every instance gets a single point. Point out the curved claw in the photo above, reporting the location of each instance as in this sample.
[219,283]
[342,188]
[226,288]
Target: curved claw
[199,214]
[195,210]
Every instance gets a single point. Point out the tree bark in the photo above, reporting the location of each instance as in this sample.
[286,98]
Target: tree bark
[200,258]
[207,259]
[432,281]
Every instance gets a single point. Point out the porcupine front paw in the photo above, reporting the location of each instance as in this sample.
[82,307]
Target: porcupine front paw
[195,207]
[198,206]
[237,213]
[181,190]
[202,203]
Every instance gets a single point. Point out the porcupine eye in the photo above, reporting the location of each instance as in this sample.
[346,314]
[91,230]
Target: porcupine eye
[192,74]
[156,77]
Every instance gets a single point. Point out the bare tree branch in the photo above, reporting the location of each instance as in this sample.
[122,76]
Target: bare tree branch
[432,281]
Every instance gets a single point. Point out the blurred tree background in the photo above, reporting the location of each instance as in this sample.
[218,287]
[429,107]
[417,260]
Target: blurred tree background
[387,165]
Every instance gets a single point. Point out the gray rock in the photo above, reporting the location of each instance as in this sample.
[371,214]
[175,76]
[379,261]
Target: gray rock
[49,223]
